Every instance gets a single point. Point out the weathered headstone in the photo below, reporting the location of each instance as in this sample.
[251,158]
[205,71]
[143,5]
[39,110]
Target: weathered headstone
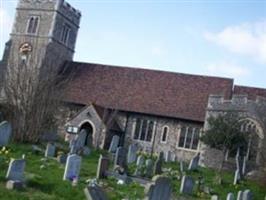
[181,166]
[102,167]
[140,165]
[14,185]
[161,189]
[214,197]
[239,195]
[168,156]
[239,164]
[72,167]
[132,153]
[247,195]
[114,144]
[16,170]
[230,196]
[50,150]
[158,164]
[236,177]
[140,160]
[94,192]
[121,157]
[149,168]
[62,158]
[194,163]
[244,166]
[5,133]
[187,185]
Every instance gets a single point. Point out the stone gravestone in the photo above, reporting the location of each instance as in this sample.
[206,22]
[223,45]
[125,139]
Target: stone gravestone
[214,197]
[114,144]
[239,164]
[102,167]
[72,167]
[158,164]
[239,195]
[94,192]
[236,177]
[140,164]
[181,166]
[50,150]
[230,196]
[187,185]
[149,168]
[161,189]
[132,153]
[244,166]
[5,133]
[140,160]
[62,158]
[121,157]
[168,156]
[16,169]
[247,195]
[194,163]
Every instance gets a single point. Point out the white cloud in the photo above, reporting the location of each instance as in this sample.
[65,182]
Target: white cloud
[227,69]
[247,39]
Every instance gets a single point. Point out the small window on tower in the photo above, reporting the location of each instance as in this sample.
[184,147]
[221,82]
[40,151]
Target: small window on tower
[33,23]
[65,34]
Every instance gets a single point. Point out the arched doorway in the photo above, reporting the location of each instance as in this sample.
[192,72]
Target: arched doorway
[255,140]
[85,135]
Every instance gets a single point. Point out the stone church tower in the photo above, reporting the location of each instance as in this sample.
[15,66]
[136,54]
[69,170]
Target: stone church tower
[44,31]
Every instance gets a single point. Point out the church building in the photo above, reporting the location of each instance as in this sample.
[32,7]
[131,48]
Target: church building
[156,110]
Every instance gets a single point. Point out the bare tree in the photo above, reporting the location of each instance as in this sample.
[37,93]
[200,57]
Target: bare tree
[33,90]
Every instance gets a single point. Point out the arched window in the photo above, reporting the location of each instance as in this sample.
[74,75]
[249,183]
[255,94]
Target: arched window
[33,23]
[164,134]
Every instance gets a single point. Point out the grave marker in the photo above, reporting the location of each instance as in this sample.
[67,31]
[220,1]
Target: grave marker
[161,189]
[5,133]
[247,195]
[94,192]
[72,167]
[187,185]
[194,163]
[50,150]
[114,144]
[230,196]
[132,153]
[16,170]
[121,157]
[102,167]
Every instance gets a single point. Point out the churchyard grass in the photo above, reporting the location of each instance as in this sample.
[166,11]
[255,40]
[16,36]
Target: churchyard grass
[47,183]
[209,180]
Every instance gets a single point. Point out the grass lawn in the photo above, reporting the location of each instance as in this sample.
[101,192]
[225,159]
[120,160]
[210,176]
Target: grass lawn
[47,183]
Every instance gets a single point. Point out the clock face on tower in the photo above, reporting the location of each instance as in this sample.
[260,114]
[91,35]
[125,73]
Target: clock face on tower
[25,48]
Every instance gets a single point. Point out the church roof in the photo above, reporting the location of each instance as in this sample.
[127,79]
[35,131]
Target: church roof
[252,92]
[145,91]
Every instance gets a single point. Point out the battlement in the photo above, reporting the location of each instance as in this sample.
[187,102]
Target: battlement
[68,7]
[68,11]
[237,100]
[61,6]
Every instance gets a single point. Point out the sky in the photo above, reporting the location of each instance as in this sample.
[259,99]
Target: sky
[224,38]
